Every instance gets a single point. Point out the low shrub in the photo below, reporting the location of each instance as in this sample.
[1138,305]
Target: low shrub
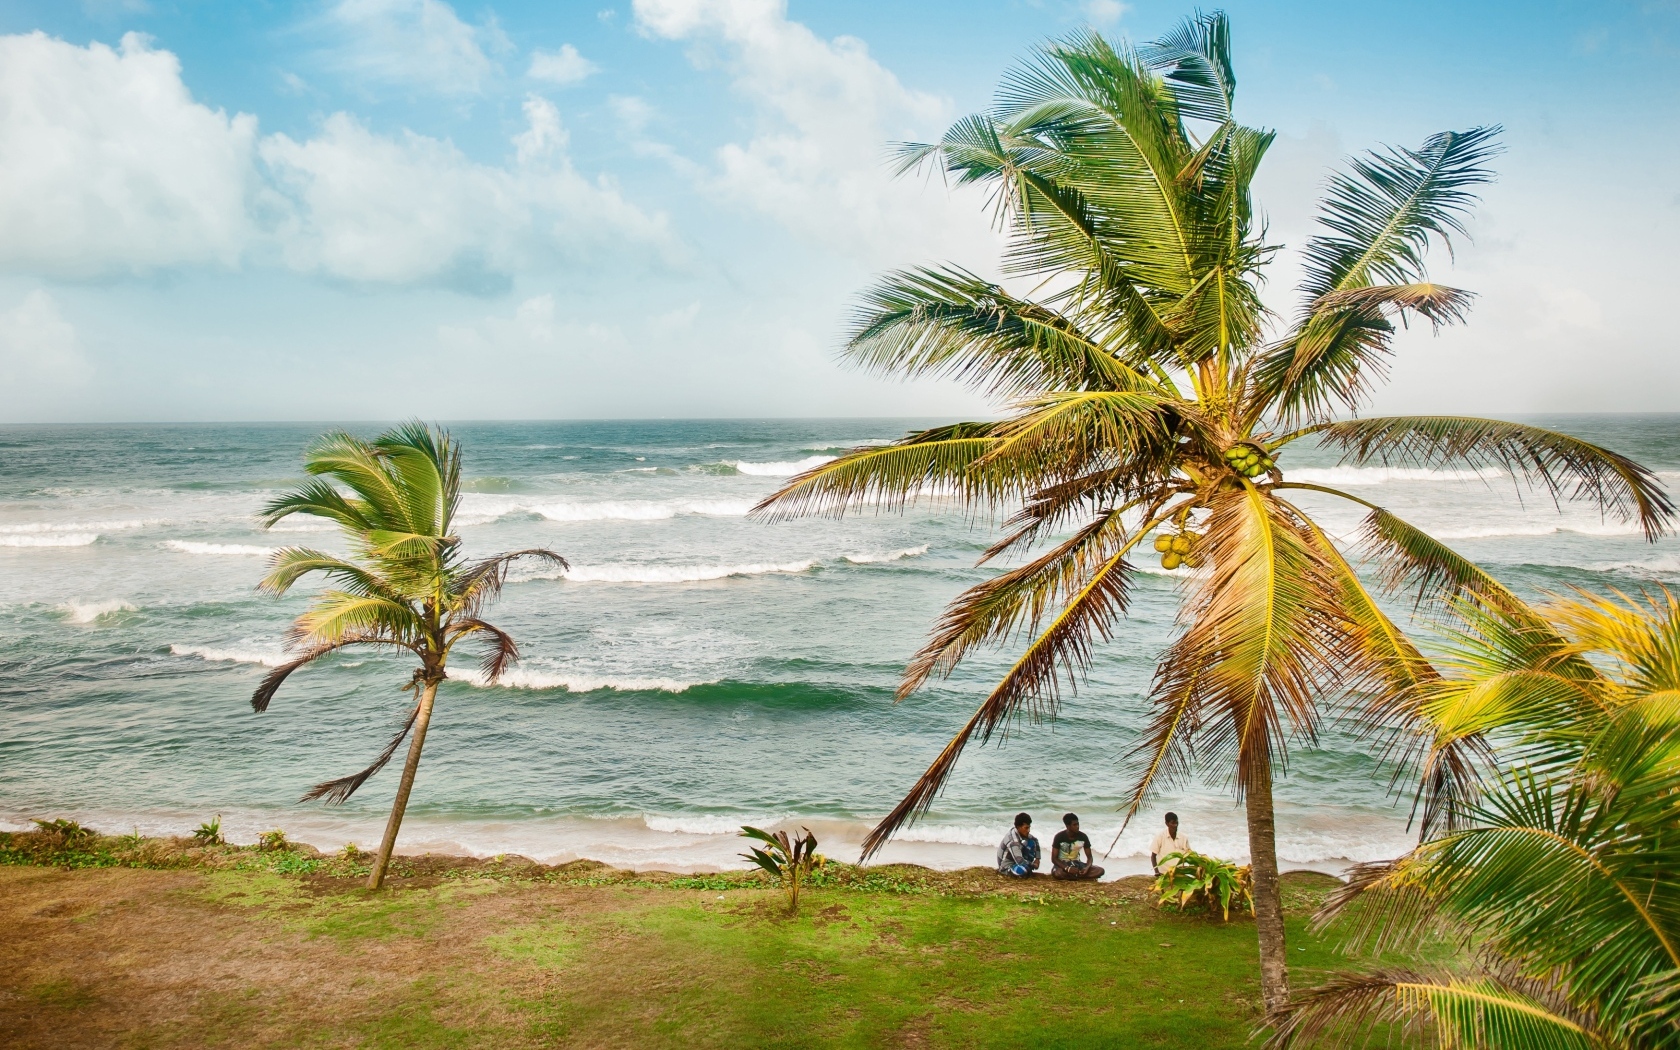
[210,833]
[1196,880]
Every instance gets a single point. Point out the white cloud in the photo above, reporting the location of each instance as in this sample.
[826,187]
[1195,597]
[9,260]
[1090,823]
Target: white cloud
[108,166]
[415,43]
[411,209]
[826,112]
[39,351]
[1105,12]
[564,66]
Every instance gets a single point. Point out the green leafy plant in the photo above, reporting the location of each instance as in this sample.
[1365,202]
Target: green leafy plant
[1145,383]
[1196,880]
[1560,869]
[405,585]
[209,833]
[789,859]
[273,840]
[69,832]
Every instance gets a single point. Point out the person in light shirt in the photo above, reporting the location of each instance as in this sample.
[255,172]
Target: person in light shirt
[1167,843]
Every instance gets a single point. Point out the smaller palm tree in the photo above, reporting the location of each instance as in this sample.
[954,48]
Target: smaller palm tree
[405,586]
[1563,874]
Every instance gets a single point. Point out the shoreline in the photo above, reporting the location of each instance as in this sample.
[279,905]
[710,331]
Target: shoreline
[707,853]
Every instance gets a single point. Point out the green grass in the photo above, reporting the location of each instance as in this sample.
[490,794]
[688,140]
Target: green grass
[590,957]
[984,972]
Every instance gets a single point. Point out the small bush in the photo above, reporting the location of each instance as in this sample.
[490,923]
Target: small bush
[68,832]
[790,860]
[273,840]
[1197,880]
[209,833]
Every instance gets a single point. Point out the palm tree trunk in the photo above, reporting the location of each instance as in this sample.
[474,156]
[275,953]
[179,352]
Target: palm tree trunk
[1268,896]
[421,721]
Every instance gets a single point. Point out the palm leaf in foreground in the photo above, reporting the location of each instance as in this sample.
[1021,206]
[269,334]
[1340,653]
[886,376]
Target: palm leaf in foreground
[1563,875]
[404,587]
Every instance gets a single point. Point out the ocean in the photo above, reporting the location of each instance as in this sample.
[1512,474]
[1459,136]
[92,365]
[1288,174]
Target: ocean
[694,671]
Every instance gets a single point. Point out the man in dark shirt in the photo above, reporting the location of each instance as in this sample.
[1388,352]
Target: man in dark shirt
[1070,853]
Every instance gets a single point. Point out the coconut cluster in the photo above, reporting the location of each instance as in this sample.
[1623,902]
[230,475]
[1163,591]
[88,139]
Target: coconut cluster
[1250,461]
[1179,550]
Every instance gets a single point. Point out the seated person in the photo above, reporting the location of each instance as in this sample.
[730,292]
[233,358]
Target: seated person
[1017,854]
[1070,852]
[1167,843]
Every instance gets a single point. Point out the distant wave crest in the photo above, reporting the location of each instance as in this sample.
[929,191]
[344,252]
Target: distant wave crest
[781,470]
[88,612]
[49,539]
[610,573]
[1354,477]
[215,654]
[234,549]
[530,678]
[874,559]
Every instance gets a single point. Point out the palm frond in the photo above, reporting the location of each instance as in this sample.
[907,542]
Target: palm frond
[339,614]
[290,564]
[951,323]
[1196,59]
[1567,467]
[274,679]
[1032,685]
[337,792]
[1382,214]
[500,650]
[1332,360]
[928,464]
[1480,1011]
[480,583]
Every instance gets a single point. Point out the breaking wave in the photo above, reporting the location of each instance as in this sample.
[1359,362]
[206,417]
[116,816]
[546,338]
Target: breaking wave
[529,678]
[873,559]
[213,654]
[49,539]
[781,470]
[87,612]
[1354,477]
[236,549]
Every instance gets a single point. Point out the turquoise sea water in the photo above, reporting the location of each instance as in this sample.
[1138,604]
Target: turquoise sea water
[696,670]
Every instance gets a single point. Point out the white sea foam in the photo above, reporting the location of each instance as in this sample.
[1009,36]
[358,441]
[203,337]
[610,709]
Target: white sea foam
[674,573]
[236,549]
[1480,532]
[529,678]
[486,509]
[781,470]
[872,559]
[1354,477]
[27,528]
[49,539]
[305,525]
[703,824]
[87,612]
[215,654]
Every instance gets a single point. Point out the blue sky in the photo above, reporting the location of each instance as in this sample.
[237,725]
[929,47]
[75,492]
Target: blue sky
[361,209]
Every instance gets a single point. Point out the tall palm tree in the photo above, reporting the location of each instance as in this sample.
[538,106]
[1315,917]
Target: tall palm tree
[1147,389]
[405,586]
[1563,874]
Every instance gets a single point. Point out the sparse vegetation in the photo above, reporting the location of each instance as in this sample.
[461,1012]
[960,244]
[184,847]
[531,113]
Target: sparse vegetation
[1196,880]
[210,832]
[789,859]
[464,953]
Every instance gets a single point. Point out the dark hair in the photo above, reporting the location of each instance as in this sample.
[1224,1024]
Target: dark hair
[1069,819]
[1172,817]
[1023,818]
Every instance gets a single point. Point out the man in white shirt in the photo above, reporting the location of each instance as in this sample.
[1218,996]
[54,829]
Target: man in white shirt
[1167,843]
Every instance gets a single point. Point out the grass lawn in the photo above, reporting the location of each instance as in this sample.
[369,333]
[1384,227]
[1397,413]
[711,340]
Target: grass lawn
[231,951]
